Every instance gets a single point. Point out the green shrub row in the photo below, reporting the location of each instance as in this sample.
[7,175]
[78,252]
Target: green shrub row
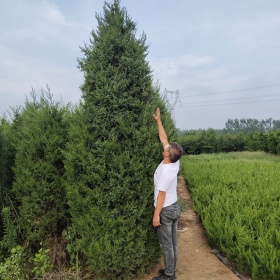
[211,142]
[237,197]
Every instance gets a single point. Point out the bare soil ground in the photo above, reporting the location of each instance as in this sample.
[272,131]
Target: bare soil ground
[195,260]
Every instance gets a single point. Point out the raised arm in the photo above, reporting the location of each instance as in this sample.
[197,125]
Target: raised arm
[161,132]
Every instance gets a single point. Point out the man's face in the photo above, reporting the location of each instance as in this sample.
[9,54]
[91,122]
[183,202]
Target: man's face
[166,152]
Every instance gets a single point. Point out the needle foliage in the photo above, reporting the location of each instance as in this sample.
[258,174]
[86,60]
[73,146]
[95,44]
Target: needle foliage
[114,149]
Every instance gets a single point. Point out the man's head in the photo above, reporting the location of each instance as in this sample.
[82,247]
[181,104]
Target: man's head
[175,152]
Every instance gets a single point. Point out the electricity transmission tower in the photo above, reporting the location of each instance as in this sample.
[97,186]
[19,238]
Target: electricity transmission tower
[172,98]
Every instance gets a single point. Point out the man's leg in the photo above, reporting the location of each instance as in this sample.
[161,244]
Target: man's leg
[175,245]
[174,241]
[177,213]
[167,234]
[164,232]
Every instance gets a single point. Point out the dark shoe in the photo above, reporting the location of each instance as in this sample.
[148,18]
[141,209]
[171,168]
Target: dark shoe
[161,272]
[164,277]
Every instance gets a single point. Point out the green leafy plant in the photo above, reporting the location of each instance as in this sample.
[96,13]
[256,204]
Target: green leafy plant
[41,263]
[13,267]
[71,247]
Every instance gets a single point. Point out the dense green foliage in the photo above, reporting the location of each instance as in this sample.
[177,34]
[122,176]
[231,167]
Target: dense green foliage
[80,181]
[34,208]
[39,170]
[210,142]
[113,152]
[237,197]
[7,155]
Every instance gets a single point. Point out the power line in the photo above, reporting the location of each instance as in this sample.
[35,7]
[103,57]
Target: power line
[236,90]
[233,99]
[219,104]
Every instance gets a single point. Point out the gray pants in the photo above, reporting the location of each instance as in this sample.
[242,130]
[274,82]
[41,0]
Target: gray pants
[167,235]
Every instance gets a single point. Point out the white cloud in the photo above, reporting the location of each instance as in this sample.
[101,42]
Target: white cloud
[40,47]
[171,66]
[63,82]
[189,71]
[52,13]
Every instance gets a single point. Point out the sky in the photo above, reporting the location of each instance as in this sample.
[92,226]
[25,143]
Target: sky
[213,60]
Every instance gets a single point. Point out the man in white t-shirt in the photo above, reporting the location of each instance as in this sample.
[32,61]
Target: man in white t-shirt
[167,210]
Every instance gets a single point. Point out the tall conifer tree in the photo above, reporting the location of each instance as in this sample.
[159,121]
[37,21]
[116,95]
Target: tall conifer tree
[115,150]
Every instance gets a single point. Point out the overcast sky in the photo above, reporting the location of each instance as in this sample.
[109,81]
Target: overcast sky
[221,57]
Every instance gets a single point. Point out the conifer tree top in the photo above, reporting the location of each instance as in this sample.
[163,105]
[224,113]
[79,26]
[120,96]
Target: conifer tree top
[118,81]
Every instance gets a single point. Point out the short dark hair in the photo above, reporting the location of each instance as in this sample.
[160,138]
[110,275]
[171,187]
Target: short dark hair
[176,151]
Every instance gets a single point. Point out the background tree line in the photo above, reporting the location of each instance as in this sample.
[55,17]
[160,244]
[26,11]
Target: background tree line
[245,126]
[211,141]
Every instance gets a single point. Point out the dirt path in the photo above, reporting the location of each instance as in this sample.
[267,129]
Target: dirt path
[195,260]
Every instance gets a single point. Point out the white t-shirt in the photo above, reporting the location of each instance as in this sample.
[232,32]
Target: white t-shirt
[165,179]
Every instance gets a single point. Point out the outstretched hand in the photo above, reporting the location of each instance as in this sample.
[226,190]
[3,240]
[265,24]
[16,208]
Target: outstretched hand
[157,115]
